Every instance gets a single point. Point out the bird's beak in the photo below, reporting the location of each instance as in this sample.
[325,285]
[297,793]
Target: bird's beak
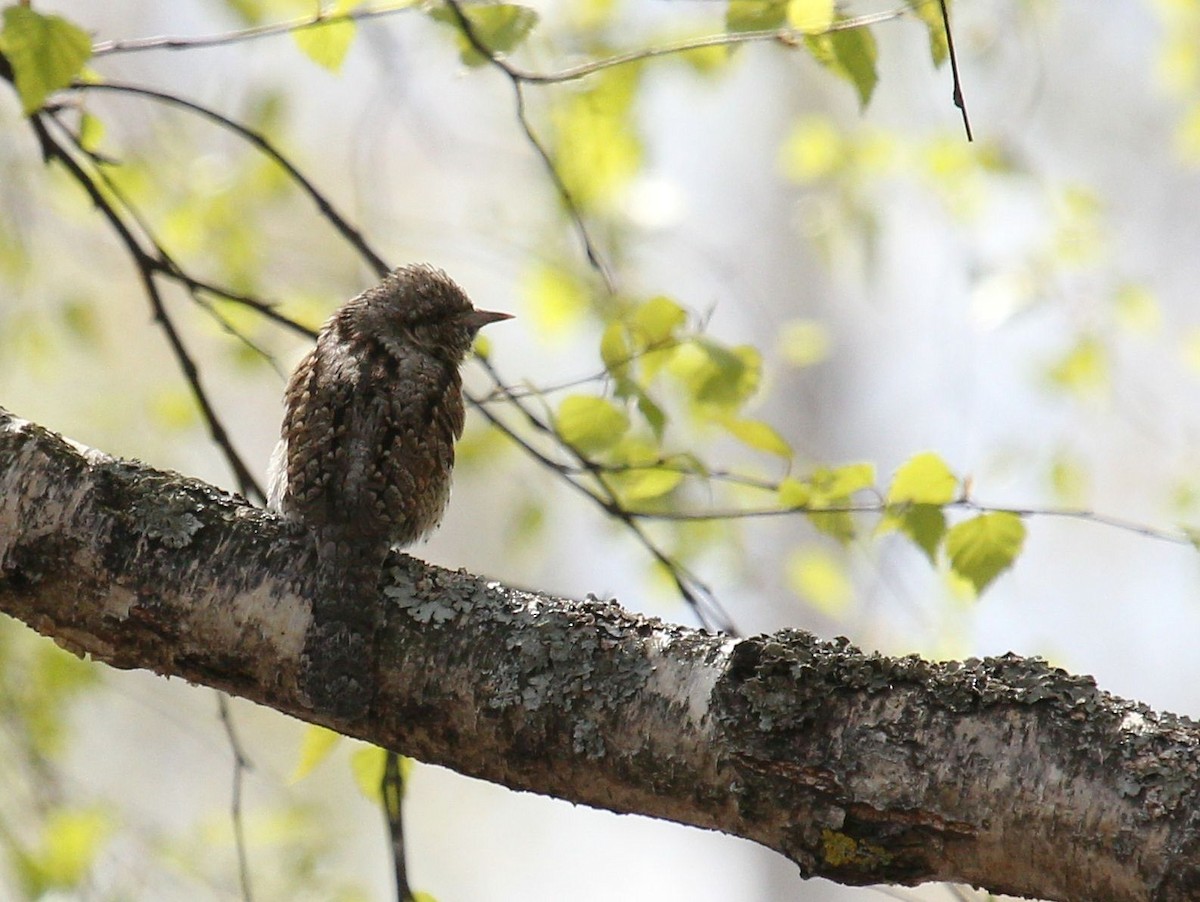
[477,319]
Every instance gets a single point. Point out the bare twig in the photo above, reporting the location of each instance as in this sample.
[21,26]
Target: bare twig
[352,235]
[392,793]
[104,48]
[516,77]
[958,94]
[241,764]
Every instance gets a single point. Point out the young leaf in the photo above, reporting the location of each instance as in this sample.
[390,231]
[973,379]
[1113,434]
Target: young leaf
[930,12]
[983,547]
[810,16]
[327,44]
[557,298]
[317,745]
[596,142]
[499,27]
[590,424]
[366,764]
[758,434]
[645,480]
[755,15]
[794,493]
[645,484]
[820,578]
[835,486]
[654,415]
[923,479]
[69,845]
[46,53]
[804,342]
[850,53]
[657,320]
[616,352]
[924,524]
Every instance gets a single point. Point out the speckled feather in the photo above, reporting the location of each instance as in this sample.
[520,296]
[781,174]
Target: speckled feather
[373,412]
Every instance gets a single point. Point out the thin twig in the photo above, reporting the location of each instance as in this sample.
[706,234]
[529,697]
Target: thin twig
[241,764]
[104,48]
[164,263]
[698,596]
[352,235]
[392,794]
[573,211]
[958,94]
[570,73]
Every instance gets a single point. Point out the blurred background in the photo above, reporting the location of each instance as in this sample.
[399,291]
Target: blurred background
[1022,305]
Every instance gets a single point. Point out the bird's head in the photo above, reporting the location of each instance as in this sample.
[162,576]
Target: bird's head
[417,305]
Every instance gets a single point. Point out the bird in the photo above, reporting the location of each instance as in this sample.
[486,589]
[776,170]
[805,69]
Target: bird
[366,451]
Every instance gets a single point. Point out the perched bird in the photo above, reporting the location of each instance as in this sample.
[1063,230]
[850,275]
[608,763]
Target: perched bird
[367,443]
[372,413]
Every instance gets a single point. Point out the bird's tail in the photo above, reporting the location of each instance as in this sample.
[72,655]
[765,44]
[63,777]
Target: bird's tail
[338,674]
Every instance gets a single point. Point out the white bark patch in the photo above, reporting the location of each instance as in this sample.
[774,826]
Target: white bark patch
[690,682]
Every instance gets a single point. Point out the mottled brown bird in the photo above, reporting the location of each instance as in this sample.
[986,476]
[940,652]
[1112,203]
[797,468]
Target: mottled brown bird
[367,442]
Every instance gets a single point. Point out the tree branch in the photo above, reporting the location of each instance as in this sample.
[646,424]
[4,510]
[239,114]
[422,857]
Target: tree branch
[1003,773]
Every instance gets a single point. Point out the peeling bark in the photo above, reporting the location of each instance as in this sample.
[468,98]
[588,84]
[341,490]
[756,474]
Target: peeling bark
[1003,773]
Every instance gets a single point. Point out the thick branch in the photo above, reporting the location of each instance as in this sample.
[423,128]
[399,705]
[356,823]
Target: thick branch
[1003,773]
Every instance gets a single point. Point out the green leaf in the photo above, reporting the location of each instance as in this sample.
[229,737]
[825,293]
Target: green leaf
[930,12]
[755,15]
[837,485]
[499,27]
[646,484]
[646,479]
[810,16]
[590,424]
[815,149]
[983,547]
[653,414]
[1083,370]
[558,299]
[327,44]
[46,53]
[69,844]
[657,320]
[91,132]
[615,352]
[367,764]
[838,524]
[318,743]
[794,493]
[850,53]
[597,147]
[804,342]
[924,524]
[829,488]
[717,377]
[923,479]
[758,434]
[820,578]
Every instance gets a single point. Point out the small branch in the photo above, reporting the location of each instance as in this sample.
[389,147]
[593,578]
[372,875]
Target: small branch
[241,764]
[958,94]
[351,234]
[105,48]
[699,597]
[516,77]
[392,794]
